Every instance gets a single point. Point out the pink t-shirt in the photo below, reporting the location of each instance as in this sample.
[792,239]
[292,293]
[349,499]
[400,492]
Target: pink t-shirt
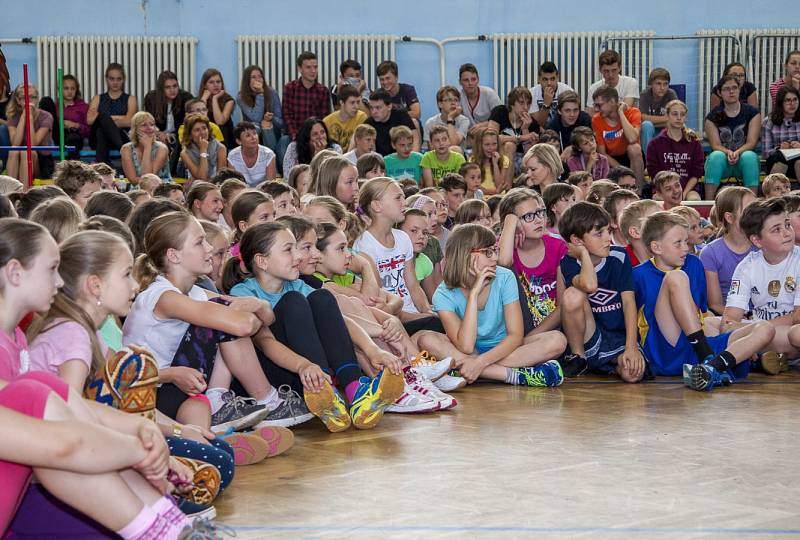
[63,341]
[540,282]
[13,355]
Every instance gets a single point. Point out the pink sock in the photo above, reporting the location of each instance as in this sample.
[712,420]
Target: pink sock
[139,525]
[172,520]
[350,391]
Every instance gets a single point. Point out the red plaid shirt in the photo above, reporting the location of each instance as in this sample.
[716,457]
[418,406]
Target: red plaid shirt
[300,103]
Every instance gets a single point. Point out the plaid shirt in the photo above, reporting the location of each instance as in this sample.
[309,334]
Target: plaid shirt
[300,103]
[772,136]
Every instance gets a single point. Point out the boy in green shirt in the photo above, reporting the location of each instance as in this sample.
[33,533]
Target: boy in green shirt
[441,160]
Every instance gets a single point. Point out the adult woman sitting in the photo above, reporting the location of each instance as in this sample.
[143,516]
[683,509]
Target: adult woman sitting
[41,133]
[261,105]
[733,130]
[543,166]
[144,154]
[110,114]
[256,162]
[781,131]
[167,104]
[312,137]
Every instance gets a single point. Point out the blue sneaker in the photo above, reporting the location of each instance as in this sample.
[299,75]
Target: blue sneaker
[705,377]
[547,374]
[373,397]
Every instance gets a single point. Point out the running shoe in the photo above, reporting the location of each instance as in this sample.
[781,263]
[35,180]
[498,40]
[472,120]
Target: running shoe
[373,397]
[328,406]
[448,383]
[420,383]
[547,374]
[573,365]
[237,413]
[429,366]
[291,412]
[704,377]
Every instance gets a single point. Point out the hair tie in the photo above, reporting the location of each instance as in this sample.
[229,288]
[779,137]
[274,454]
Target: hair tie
[421,201]
[359,211]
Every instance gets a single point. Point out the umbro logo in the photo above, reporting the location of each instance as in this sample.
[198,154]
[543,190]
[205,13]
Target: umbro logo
[601,297]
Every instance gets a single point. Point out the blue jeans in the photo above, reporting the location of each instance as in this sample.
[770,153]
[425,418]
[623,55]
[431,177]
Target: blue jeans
[747,168]
[647,133]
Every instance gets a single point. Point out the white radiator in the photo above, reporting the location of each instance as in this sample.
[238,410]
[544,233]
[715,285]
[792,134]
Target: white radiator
[762,51]
[143,58]
[277,55]
[517,57]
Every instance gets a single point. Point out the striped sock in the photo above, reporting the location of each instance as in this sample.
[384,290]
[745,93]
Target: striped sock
[512,376]
[172,520]
[140,524]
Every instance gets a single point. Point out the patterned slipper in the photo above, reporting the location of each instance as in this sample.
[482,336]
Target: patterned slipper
[206,481]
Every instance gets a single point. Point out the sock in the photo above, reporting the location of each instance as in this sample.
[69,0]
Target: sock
[512,377]
[700,345]
[173,521]
[214,396]
[271,401]
[724,361]
[145,519]
[350,391]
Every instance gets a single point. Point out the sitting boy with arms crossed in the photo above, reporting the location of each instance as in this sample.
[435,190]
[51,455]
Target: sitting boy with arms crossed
[671,295]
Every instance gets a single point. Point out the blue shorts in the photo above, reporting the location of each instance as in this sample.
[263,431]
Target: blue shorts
[668,360]
[601,355]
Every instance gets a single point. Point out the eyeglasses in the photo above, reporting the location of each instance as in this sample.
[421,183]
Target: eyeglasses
[530,217]
[488,252]
[441,205]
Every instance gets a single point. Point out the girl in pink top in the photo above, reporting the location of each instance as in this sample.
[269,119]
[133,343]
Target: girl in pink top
[80,463]
[534,256]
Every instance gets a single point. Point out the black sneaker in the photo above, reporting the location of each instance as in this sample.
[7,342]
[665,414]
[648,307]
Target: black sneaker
[291,412]
[573,365]
[237,413]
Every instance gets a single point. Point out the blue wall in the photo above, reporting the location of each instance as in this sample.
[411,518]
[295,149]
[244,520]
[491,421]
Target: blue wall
[217,24]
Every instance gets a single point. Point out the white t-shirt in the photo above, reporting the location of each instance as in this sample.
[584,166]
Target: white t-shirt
[772,289]
[538,98]
[462,126]
[391,262]
[257,173]
[351,156]
[487,100]
[159,336]
[628,87]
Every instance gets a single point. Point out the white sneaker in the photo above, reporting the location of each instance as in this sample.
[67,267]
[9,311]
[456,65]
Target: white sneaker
[448,383]
[429,367]
[414,399]
[423,385]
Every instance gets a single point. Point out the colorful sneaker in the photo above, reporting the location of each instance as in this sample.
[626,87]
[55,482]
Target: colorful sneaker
[415,398]
[547,374]
[774,363]
[448,383]
[328,406]
[429,367]
[373,397]
[291,412]
[247,449]
[705,377]
[573,365]
[420,383]
[206,481]
[237,413]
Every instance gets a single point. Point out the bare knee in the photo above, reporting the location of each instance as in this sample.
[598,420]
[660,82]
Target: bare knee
[573,299]
[764,331]
[628,376]
[556,343]
[676,279]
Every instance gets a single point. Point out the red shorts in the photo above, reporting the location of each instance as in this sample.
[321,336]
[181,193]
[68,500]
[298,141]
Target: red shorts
[28,395]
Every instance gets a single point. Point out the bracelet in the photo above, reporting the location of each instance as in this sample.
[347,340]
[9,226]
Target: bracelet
[204,155]
[177,430]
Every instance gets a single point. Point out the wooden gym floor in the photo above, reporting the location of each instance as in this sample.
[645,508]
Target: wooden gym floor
[593,459]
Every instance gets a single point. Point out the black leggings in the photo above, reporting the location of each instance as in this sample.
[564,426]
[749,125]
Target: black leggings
[312,327]
[106,136]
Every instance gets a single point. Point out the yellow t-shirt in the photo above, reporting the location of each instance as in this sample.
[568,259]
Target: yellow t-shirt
[488,174]
[341,132]
[215,131]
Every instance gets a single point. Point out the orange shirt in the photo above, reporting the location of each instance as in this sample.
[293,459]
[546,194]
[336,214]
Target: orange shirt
[612,137]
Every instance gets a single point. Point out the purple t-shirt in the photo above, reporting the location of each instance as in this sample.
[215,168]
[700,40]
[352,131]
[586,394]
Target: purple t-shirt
[43,120]
[718,257]
[539,282]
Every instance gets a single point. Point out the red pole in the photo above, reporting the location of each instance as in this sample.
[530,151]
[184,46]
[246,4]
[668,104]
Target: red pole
[28,124]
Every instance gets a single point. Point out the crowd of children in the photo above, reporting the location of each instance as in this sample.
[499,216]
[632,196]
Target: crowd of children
[187,326]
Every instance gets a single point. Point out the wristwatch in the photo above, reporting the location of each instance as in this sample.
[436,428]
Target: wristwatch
[204,155]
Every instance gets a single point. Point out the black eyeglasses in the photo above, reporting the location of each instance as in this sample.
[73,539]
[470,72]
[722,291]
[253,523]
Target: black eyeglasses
[489,252]
[530,217]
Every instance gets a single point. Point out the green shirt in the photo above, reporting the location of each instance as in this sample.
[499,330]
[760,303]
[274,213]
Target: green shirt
[340,279]
[440,168]
[423,267]
[112,334]
[400,169]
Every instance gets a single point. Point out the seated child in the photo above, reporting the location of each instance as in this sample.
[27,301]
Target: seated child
[584,154]
[557,199]
[454,189]
[667,188]
[765,282]
[775,185]
[630,224]
[471,173]
[404,162]
[440,159]
[364,142]
[473,211]
[596,296]
[583,181]
[370,165]
[671,295]
[693,218]
[77,179]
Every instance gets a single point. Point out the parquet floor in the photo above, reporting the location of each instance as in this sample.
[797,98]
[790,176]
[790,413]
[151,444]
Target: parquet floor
[592,459]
